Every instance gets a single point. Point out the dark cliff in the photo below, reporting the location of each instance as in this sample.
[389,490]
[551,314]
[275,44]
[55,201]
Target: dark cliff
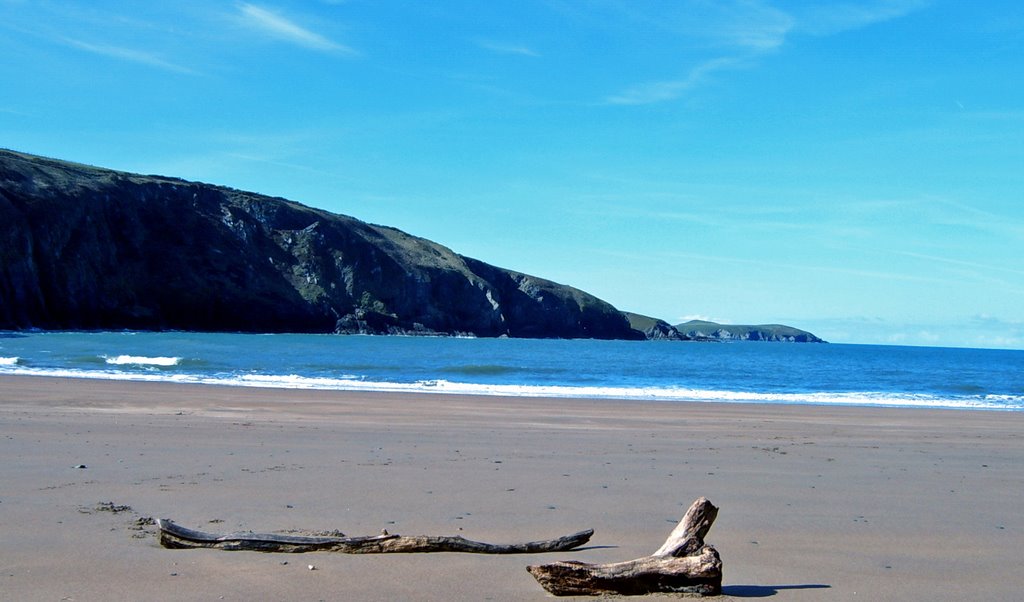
[89,248]
[655,329]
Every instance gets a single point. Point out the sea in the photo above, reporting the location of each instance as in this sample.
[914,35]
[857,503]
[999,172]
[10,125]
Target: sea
[667,371]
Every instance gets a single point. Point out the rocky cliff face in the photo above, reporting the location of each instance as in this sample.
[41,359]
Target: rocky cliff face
[89,248]
[655,329]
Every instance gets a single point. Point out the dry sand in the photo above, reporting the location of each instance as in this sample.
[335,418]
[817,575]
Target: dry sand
[817,503]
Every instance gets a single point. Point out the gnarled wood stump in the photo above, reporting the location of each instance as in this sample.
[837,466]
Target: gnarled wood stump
[683,564]
[175,536]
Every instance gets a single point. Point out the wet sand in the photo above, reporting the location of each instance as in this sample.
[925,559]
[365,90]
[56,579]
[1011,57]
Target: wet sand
[816,502]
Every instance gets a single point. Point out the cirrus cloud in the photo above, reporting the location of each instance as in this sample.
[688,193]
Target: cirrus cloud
[748,30]
[128,54]
[281,28]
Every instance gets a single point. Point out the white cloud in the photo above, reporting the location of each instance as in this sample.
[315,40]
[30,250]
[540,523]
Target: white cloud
[652,92]
[971,265]
[999,342]
[753,25]
[1008,115]
[283,29]
[828,18]
[748,30]
[795,268]
[129,54]
[701,318]
[503,48]
[984,319]
[746,24]
[980,331]
[996,332]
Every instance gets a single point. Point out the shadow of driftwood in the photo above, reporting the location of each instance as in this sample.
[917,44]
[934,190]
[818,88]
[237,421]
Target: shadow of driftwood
[592,548]
[764,591]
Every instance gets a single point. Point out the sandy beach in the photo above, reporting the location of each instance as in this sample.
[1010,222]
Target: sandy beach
[816,502]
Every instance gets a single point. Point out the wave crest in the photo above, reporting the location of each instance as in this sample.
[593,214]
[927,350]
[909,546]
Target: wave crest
[141,360]
[668,394]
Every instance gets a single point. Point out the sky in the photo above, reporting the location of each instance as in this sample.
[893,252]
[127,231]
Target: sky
[854,168]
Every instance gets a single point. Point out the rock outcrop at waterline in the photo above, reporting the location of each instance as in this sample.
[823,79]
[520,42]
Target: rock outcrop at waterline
[89,248]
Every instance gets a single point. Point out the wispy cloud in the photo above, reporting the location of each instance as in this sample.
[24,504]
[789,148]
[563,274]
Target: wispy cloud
[249,157]
[981,331]
[996,321]
[742,30]
[791,268]
[281,28]
[996,332]
[129,54]
[747,30]
[994,115]
[752,25]
[828,18]
[972,267]
[652,92]
[701,318]
[506,48]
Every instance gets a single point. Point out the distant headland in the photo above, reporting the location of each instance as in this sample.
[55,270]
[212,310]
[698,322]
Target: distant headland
[87,248]
[699,330]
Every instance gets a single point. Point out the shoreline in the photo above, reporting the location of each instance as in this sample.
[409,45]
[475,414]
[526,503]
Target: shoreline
[816,501]
[559,392]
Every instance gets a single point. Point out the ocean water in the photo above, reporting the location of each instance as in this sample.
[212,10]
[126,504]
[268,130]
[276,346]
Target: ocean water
[779,373]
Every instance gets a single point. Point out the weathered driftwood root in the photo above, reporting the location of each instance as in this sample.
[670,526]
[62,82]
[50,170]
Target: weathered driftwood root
[683,564]
[175,536]
[701,574]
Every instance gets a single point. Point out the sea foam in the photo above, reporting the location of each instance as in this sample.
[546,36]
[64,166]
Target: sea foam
[141,360]
[440,386]
[348,383]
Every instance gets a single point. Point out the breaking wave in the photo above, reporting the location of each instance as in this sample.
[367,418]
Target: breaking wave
[354,383]
[141,360]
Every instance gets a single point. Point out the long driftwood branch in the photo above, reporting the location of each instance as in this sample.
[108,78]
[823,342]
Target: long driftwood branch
[683,564]
[175,536]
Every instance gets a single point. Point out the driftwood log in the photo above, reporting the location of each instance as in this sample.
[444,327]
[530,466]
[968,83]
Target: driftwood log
[683,564]
[175,536]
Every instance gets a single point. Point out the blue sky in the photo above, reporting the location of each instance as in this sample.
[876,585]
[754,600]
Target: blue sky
[852,168]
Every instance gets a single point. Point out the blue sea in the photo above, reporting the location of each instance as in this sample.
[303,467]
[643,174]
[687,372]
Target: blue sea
[773,373]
